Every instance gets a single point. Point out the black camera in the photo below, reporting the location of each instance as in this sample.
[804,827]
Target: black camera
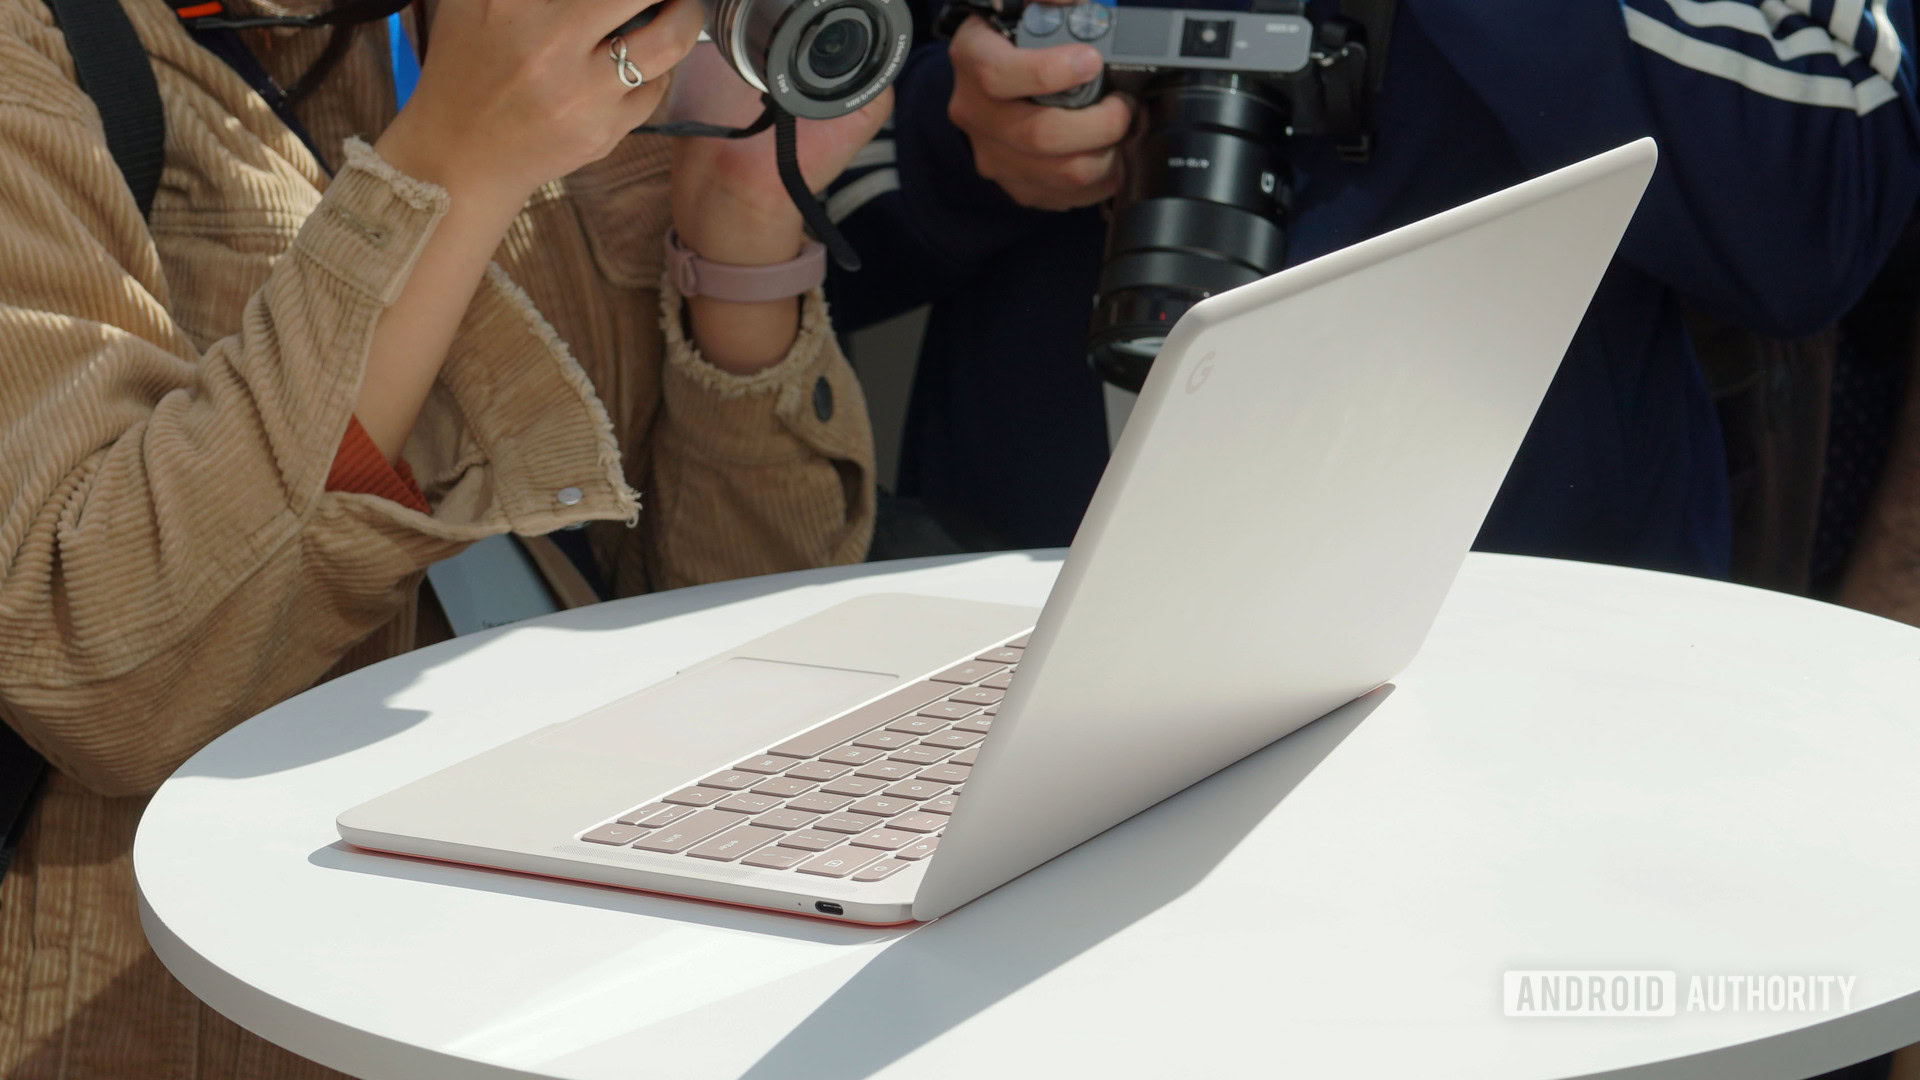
[1222,88]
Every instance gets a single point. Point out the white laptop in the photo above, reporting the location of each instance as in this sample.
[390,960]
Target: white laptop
[1287,507]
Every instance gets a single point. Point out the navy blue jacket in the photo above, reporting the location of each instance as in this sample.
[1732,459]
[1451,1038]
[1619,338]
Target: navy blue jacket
[1790,157]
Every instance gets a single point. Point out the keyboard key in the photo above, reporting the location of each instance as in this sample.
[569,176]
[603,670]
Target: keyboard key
[886,740]
[965,757]
[847,823]
[744,803]
[950,710]
[995,711]
[920,849]
[839,862]
[882,806]
[919,725]
[881,870]
[885,839]
[916,789]
[776,858]
[854,785]
[783,787]
[682,835]
[997,682]
[941,774]
[734,843]
[819,803]
[765,764]
[971,671]
[981,724]
[617,835]
[696,796]
[1020,642]
[732,780]
[861,720]
[851,755]
[978,695]
[888,770]
[785,820]
[942,805]
[1006,654]
[918,822]
[810,840]
[918,755]
[817,770]
[654,815]
[950,740]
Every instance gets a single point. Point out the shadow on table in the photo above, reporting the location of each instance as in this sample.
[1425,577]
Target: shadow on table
[261,750]
[947,971]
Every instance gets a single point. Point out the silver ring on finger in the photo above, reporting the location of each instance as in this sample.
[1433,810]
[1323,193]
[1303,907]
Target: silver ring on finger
[630,76]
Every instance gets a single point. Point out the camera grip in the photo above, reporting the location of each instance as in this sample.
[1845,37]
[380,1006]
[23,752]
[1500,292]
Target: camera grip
[1077,98]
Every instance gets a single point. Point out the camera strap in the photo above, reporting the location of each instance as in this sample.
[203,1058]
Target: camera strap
[786,157]
[1351,62]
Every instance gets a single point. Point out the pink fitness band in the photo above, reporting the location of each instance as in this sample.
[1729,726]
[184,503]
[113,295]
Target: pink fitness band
[695,276]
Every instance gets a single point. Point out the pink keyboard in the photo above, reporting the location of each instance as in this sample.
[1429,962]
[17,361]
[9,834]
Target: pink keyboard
[863,796]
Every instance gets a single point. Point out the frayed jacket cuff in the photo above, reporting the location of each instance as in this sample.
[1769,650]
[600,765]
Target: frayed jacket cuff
[371,224]
[809,402]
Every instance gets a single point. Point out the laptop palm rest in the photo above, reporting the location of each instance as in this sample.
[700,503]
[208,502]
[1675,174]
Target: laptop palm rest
[759,701]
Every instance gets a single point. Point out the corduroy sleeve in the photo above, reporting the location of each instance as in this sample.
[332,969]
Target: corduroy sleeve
[758,474]
[170,561]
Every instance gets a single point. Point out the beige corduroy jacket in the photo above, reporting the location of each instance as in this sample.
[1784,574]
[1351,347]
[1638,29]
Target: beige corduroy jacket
[172,392]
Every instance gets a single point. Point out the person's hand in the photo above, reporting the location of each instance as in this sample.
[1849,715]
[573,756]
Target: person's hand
[1043,157]
[728,203]
[515,93]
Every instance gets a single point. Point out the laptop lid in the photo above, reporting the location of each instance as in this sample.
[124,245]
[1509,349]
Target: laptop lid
[1292,497]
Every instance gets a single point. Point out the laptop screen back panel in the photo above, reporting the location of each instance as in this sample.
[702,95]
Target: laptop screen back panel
[1289,504]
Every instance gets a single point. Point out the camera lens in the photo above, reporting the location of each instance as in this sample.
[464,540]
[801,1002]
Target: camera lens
[832,49]
[817,59]
[837,48]
[1204,212]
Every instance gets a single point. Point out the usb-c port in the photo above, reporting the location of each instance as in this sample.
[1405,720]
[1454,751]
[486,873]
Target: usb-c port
[828,907]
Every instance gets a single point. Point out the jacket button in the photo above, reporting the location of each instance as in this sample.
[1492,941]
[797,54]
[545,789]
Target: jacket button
[822,399]
[568,496]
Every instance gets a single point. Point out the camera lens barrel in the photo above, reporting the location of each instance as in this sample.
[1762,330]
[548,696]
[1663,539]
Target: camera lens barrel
[1204,212]
[817,58]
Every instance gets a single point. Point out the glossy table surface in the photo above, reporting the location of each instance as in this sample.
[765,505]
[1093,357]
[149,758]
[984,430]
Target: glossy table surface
[1586,768]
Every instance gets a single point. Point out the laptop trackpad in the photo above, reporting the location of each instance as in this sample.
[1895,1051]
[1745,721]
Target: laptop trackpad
[736,706]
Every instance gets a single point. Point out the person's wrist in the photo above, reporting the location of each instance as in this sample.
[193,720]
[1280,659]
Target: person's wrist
[721,227]
[415,150]
[743,337]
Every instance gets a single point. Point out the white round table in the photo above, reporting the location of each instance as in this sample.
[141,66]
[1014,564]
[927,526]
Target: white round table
[1586,768]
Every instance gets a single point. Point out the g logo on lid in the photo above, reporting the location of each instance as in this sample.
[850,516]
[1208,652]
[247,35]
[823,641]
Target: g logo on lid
[1202,371]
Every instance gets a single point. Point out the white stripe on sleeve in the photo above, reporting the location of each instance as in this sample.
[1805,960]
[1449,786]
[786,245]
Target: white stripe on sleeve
[1763,22]
[1828,91]
[878,152]
[842,204]
[1845,21]
[1886,42]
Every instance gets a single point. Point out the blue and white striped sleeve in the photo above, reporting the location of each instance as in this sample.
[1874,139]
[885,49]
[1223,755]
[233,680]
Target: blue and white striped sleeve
[1789,132]
[1826,54]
